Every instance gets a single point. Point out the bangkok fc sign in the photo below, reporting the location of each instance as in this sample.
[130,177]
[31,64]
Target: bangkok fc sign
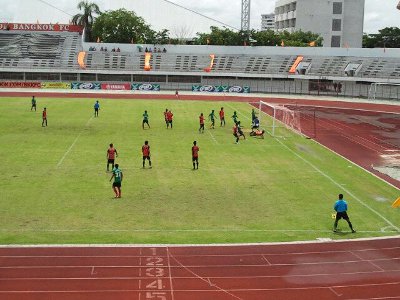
[40,27]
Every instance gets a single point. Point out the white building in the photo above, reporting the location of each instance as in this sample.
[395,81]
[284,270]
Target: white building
[268,22]
[339,22]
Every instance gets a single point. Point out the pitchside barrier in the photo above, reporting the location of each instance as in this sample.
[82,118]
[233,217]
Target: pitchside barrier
[221,89]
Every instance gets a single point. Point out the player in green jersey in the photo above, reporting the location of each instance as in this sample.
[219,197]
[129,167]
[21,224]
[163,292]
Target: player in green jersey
[118,176]
[211,117]
[145,119]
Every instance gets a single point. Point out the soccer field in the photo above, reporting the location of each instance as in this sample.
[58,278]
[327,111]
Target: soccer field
[55,188]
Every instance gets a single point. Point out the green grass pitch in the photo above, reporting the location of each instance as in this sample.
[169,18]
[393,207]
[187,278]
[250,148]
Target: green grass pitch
[55,189]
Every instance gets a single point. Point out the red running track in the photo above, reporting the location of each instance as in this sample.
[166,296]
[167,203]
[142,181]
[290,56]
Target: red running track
[332,270]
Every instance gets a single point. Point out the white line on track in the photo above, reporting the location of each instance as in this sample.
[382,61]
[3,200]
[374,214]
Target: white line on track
[204,279]
[334,182]
[170,273]
[371,273]
[73,144]
[227,291]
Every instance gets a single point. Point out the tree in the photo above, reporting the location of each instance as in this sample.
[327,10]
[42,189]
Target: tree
[388,37]
[122,26]
[86,18]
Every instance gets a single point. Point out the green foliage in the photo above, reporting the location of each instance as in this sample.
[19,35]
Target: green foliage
[228,37]
[388,37]
[122,26]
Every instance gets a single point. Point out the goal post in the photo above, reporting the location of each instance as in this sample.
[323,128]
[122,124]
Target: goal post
[383,89]
[282,120]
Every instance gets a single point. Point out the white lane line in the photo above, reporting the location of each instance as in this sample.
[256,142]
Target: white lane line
[369,261]
[336,293]
[336,183]
[318,276]
[73,144]
[268,262]
[204,279]
[170,274]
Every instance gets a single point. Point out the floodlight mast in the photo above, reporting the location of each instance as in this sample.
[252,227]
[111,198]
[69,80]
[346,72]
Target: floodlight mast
[245,23]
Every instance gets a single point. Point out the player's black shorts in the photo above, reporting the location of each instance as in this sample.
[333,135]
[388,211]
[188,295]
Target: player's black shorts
[117,184]
[195,159]
[96,109]
[33,105]
[342,215]
[111,161]
[235,135]
[146,122]
[170,121]
[146,157]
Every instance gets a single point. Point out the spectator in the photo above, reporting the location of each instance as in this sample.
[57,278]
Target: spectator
[146,50]
[150,50]
[105,49]
[101,49]
[118,50]
[339,87]
[335,86]
[165,50]
[113,50]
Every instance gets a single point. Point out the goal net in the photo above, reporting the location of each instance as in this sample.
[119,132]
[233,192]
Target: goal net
[383,90]
[284,120]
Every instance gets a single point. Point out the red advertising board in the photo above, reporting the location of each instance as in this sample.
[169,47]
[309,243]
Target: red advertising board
[16,84]
[116,86]
[40,27]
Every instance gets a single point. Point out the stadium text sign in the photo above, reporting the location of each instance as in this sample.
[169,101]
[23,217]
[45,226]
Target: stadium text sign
[12,84]
[40,27]
[85,86]
[220,89]
[145,87]
[56,85]
[116,86]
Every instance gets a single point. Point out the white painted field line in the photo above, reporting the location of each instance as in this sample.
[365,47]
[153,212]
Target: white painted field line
[213,137]
[73,144]
[187,230]
[335,182]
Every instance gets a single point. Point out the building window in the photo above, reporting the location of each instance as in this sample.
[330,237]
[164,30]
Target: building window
[337,8]
[336,25]
[335,42]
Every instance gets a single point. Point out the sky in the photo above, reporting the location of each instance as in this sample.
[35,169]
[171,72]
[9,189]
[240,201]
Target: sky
[160,14]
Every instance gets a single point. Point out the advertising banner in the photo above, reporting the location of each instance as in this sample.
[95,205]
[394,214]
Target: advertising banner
[220,89]
[116,86]
[40,27]
[145,87]
[56,85]
[13,84]
[85,86]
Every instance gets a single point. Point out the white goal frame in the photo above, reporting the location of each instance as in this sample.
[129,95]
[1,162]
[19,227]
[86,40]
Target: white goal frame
[281,116]
[374,86]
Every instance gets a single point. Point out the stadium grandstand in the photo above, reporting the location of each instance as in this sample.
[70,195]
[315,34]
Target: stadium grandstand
[42,52]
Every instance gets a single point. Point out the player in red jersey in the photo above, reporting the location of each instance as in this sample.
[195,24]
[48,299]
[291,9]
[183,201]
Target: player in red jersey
[222,116]
[111,154]
[170,115]
[195,155]
[176,94]
[201,118]
[236,133]
[146,153]
[165,116]
[44,117]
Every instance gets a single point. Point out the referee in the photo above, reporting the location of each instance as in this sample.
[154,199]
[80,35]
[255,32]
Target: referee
[341,213]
